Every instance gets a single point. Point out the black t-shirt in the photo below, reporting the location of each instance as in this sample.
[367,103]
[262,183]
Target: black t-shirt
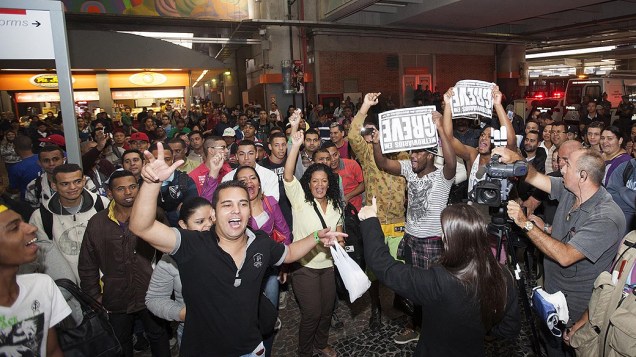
[283,202]
[222,302]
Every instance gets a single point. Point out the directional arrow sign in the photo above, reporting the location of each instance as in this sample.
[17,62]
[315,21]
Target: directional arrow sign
[25,34]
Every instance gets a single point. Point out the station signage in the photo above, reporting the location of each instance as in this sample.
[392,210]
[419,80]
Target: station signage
[25,34]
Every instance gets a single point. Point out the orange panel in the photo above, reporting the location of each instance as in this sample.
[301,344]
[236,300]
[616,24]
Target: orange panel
[123,80]
[416,70]
[23,81]
[270,78]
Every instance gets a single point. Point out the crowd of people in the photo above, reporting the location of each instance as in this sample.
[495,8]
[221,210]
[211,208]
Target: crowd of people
[194,216]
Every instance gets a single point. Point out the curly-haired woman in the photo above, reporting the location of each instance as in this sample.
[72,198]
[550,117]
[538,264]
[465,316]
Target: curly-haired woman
[317,193]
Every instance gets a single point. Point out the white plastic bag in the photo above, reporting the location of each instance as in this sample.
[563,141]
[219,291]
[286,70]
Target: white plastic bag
[354,279]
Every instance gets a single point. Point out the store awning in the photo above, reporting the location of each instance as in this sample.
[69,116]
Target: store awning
[101,50]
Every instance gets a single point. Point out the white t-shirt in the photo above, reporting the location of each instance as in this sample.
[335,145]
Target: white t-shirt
[24,326]
[428,196]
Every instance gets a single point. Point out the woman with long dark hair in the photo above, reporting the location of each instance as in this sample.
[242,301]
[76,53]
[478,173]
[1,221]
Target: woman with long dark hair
[314,199]
[463,298]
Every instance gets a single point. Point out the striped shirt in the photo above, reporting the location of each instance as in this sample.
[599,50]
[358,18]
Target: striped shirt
[428,196]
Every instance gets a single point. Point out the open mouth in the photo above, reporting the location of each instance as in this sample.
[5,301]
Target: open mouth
[31,241]
[235,222]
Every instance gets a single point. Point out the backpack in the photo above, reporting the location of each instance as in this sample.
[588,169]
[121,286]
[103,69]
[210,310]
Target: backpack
[47,216]
[611,328]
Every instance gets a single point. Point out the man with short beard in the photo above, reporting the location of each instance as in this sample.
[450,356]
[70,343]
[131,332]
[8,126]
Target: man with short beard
[179,151]
[132,160]
[212,146]
[534,156]
[112,255]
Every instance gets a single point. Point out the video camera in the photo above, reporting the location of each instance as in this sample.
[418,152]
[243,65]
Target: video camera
[495,188]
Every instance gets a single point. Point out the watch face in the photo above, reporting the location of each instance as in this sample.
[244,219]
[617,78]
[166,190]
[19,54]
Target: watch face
[528,226]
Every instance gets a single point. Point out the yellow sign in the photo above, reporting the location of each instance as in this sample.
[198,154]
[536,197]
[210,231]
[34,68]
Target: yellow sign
[44,80]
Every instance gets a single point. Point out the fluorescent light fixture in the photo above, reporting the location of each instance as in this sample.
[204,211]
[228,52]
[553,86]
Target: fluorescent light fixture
[181,39]
[571,52]
[227,73]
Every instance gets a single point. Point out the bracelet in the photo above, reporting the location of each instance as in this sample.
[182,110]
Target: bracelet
[316,237]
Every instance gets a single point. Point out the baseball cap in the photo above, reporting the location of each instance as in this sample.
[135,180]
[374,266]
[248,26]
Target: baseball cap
[56,139]
[229,132]
[139,137]
[252,123]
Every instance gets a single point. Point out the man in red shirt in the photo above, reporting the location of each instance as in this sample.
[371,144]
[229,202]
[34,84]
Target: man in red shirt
[350,173]
[211,146]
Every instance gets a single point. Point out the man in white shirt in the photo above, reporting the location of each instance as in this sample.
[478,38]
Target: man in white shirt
[246,156]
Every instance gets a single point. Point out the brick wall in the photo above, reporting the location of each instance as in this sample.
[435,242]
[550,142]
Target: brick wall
[452,68]
[369,69]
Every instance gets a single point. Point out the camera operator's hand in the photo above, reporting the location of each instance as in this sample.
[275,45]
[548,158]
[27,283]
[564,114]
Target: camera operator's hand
[516,213]
[537,222]
[507,156]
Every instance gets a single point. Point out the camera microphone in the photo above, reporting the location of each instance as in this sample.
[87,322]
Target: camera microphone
[481,172]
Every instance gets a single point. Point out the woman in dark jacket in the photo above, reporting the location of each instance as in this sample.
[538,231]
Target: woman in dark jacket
[466,296]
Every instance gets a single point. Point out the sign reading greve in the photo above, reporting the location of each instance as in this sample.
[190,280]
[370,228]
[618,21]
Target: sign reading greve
[472,97]
[407,129]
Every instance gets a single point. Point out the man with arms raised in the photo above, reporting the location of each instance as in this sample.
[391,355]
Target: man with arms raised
[428,189]
[221,270]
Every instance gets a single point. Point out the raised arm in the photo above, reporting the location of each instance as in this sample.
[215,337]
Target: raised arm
[142,218]
[382,162]
[504,121]
[292,155]
[450,159]
[370,99]
[300,248]
[215,162]
[467,153]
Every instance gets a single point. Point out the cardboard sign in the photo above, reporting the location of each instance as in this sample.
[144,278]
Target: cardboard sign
[407,129]
[472,98]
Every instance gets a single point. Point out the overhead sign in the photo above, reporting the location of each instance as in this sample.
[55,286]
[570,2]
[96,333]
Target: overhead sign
[407,129]
[25,34]
[472,98]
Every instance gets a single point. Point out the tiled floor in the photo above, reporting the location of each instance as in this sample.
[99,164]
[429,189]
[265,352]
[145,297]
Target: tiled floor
[356,339]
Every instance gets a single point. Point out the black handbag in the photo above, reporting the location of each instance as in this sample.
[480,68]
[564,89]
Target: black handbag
[94,336]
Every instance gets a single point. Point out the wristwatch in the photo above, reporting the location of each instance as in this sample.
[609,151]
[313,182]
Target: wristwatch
[527,227]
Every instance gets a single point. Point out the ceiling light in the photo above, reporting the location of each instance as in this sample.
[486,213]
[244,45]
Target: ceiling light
[571,52]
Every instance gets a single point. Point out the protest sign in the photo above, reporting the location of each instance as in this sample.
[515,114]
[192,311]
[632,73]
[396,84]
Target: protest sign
[407,129]
[471,98]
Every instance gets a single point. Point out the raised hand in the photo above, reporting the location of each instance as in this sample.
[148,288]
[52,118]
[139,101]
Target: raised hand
[298,137]
[215,162]
[294,119]
[157,170]
[375,137]
[437,120]
[448,96]
[369,211]
[371,99]
[497,96]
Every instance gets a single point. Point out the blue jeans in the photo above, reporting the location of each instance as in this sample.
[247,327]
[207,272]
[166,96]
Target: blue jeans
[271,289]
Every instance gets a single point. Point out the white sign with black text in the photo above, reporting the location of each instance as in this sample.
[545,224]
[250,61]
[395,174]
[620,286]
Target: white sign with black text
[407,129]
[471,97]
[25,34]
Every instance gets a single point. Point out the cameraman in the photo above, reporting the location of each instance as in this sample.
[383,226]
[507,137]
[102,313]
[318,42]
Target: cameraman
[587,230]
